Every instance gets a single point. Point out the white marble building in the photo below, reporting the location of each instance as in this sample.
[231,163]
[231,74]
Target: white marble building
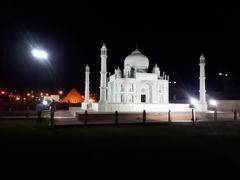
[134,88]
[135,85]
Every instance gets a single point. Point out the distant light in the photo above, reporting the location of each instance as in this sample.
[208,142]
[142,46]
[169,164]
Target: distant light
[17,98]
[28,94]
[40,54]
[226,74]
[47,94]
[44,102]
[170,82]
[194,101]
[24,99]
[91,100]
[213,102]
[3,92]
[32,96]
[220,74]
[174,82]
[60,92]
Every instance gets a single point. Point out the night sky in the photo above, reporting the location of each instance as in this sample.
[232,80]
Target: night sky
[174,36]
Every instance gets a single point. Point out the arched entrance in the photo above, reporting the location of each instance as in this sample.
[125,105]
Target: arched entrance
[146,93]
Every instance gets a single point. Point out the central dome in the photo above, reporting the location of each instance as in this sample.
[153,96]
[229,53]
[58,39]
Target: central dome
[136,60]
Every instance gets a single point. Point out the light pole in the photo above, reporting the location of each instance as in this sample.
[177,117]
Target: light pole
[223,80]
[213,104]
[172,91]
[42,56]
[193,105]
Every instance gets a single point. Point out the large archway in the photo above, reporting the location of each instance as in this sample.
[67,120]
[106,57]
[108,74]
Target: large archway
[146,93]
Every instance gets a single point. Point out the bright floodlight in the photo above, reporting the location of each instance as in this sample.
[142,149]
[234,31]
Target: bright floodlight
[45,102]
[213,102]
[39,54]
[194,101]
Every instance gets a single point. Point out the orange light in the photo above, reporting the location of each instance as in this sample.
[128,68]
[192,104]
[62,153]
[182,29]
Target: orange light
[17,98]
[28,94]
[47,94]
[24,99]
[3,92]
[60,92]
[32,96]
[91,100]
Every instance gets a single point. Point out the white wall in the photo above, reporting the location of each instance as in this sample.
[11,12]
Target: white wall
[228,105]
[130,107]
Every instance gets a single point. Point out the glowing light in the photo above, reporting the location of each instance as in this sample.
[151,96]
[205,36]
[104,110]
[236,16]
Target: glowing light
[91,100]
[44,102]
[41,94]
[47,94]
[3,92]
[226,74]
[220,74]
[17,98]
[213,102]
[60,92]
[32,96]
[40,54]
[194,101]
[24,99]
[28,94]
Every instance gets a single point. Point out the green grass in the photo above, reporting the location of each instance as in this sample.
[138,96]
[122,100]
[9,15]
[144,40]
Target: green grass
[207,147]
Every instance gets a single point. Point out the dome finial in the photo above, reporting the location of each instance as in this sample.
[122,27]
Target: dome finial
[104,46]
[202,58]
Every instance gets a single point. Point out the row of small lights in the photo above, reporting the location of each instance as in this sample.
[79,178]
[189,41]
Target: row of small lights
[18,98]
[222,74]
[29,94]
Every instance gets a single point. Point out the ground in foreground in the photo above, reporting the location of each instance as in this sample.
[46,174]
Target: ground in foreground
[208,149]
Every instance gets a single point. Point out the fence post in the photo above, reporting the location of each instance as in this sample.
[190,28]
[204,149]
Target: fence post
[144,117]
[116,117]
[78,116]
[169,116]
[235,114]
[193,116]
[27,115]
[215,115]
[85,117]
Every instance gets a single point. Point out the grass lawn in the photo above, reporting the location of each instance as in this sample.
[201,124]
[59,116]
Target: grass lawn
[208,149]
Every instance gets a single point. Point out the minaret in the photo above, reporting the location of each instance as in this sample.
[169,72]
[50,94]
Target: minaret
[103,72]
[202,88]
[87,83]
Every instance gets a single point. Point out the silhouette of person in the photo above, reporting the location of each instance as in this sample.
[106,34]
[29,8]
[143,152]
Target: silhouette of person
[39,109]
[52,109]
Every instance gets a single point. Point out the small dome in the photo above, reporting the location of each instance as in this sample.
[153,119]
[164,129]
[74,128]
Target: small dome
[137,60]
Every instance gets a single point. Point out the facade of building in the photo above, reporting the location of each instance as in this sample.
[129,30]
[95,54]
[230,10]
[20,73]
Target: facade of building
[135,85]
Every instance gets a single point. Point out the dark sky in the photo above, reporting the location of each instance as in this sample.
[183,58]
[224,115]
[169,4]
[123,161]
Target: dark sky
[173,36]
